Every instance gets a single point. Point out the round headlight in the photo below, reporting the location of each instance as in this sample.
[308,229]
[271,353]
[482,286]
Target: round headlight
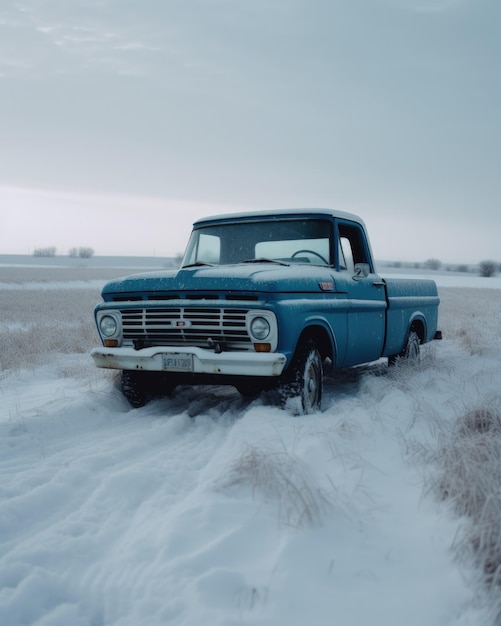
[260,328]
[108,325]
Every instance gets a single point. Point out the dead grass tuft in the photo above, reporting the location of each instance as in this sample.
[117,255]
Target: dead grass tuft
[470,478]
[283,477]
[479,420]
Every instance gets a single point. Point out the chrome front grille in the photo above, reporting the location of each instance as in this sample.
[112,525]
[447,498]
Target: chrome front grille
[193,326]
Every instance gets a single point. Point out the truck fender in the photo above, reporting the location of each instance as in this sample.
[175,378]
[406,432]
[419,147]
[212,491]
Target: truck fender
[417,323]
[321,332]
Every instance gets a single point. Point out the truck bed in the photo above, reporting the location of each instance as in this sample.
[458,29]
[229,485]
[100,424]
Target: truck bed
[411,302]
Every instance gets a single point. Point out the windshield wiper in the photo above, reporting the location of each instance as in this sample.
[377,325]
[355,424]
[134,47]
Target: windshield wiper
[197,264]
[264,260]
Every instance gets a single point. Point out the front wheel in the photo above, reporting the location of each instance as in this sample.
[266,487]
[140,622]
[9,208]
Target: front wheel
[303,381]
[135,387]
[249,389]
[140,386]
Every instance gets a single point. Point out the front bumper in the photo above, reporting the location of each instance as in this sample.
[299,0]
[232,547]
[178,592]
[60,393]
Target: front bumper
[201,361]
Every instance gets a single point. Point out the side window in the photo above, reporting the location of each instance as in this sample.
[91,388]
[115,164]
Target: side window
[346,255]
[209,249]
[352,247]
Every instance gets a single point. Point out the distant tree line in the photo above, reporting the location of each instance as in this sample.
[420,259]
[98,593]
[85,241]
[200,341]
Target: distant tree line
[45,252]
[82,253]
[485,268]
[74,253]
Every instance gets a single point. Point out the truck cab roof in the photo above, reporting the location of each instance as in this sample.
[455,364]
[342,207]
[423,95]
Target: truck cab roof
[280,213]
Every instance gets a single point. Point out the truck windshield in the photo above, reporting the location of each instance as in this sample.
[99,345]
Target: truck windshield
[278,240]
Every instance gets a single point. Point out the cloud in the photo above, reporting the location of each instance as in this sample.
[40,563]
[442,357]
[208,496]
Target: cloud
[349,103]
[137,45]
[435,6]
[53,39]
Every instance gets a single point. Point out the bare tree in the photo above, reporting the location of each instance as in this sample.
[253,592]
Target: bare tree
[45,252]
[433,264]
[487,268]
[83,253]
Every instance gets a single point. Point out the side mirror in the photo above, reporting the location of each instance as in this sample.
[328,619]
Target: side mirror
[362,270]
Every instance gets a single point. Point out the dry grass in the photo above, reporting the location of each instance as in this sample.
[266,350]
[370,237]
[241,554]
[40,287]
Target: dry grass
[36,324]
[470,478]
[282,477]
[468,448]
[471,316]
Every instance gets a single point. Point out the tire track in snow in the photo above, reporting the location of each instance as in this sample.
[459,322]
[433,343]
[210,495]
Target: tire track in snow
[104,477]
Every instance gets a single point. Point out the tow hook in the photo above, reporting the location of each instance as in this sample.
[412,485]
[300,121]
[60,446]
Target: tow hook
[214,345]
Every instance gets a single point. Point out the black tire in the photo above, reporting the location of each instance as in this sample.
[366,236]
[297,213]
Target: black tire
[304,380]
[136,387]
[249,389]
[139,387]
[411,351]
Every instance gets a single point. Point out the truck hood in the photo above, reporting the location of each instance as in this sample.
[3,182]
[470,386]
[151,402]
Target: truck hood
[252,277]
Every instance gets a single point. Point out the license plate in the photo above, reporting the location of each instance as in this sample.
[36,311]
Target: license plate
[178,362]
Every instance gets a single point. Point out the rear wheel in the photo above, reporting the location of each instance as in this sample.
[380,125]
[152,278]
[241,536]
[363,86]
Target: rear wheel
[303,381]
[411,351]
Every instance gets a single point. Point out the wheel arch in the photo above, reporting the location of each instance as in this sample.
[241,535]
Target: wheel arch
[418,325]
[323,337]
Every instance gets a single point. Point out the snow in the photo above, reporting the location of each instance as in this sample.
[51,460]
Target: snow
[448,279]
[51,285]
[205,508]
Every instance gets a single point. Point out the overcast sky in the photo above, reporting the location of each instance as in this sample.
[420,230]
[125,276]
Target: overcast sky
[122,121]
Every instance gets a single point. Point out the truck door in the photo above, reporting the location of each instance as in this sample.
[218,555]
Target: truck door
[365,294]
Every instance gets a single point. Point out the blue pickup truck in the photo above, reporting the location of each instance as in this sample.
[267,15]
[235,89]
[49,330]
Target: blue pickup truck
[262,300]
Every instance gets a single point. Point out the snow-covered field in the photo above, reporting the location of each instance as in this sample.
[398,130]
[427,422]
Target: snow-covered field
[208,509]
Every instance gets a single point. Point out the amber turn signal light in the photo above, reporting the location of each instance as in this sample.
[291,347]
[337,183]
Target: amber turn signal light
[262,347]
[111,343]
